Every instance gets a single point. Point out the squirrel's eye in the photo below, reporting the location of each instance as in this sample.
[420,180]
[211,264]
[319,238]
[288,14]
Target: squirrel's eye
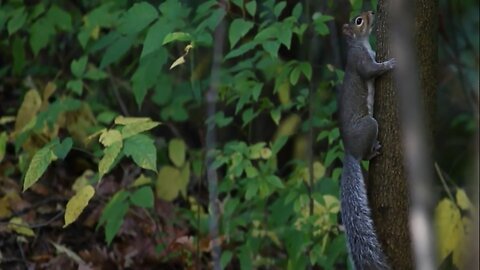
[358,21]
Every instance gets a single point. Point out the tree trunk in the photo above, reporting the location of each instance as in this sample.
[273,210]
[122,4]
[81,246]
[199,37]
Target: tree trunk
[387,185]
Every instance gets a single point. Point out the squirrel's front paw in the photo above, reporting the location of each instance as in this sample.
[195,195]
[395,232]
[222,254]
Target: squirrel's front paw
[391,64]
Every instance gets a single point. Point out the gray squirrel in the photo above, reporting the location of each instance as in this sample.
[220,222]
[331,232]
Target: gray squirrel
[359,134]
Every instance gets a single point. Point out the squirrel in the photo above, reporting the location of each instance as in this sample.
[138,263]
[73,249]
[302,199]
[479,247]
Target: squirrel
[359,130]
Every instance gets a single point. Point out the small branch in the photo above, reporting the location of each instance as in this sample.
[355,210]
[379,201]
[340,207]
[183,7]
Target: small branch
[116,93]
[211,97]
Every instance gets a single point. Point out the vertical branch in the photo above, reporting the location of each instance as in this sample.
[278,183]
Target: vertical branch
[211,97]
[412,115]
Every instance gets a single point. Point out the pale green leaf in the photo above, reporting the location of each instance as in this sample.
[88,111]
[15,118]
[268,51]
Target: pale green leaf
[180,36]
[38,166]
[110,137]
[177,151]
[21,227]
[77,203]
[135,128]
[168,183]
[122,120]
[110,154]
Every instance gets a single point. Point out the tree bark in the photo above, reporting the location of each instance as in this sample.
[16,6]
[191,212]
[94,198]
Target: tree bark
[387,185]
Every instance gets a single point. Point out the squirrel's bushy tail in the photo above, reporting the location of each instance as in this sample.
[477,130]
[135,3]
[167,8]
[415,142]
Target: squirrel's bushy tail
[363,245]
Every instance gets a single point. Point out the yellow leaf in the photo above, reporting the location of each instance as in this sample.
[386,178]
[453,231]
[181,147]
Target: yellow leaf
[110,137]
[3,144]
[179,61]
[134,128]
[7,119]
[82,180]
[122,120]
[318,170]
[95,33]
[168,183]
[462,199]
[50,88]
[177,151]
[288,126]
[284,92]
[332,203]
[38,166]
[77,203]
[141,180]
[110,153]
[449,227]
[29,108]
[265,153]
[19,226]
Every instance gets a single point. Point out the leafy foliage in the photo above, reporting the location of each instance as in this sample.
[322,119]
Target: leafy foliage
[117,92]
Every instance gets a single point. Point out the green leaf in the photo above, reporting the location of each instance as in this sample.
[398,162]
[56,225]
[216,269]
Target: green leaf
[221,120]
[40,33]
[238,29]
[279,8]
[297,11]
[77,203]
[275,181]
[306,69]
[95,74]
[238,3]
[78,66]
[110,154]
[278,144]
[155,35]
[142,150]
[76,86]
[135,128]
[3,144]
[137,18]
[61,150]
[276,114]
[177,151]
[60,18]
[38,166]
[251,7]
[294,76]
[115,220]
[180,36]
[18,54]
[271,47]
[116,50]
[17,21]
[225,259]
[241,50]
[142,197]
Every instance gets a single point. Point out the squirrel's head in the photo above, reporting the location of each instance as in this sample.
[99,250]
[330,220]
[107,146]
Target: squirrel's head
[360,27]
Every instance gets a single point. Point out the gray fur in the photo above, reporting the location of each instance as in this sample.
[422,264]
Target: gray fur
[359,134]
[363,245]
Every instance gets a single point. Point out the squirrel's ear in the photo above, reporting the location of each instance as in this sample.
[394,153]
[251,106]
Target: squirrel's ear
[347,30]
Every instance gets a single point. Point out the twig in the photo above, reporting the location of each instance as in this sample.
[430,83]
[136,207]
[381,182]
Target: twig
[444,183]
[116,93]
[211,97]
